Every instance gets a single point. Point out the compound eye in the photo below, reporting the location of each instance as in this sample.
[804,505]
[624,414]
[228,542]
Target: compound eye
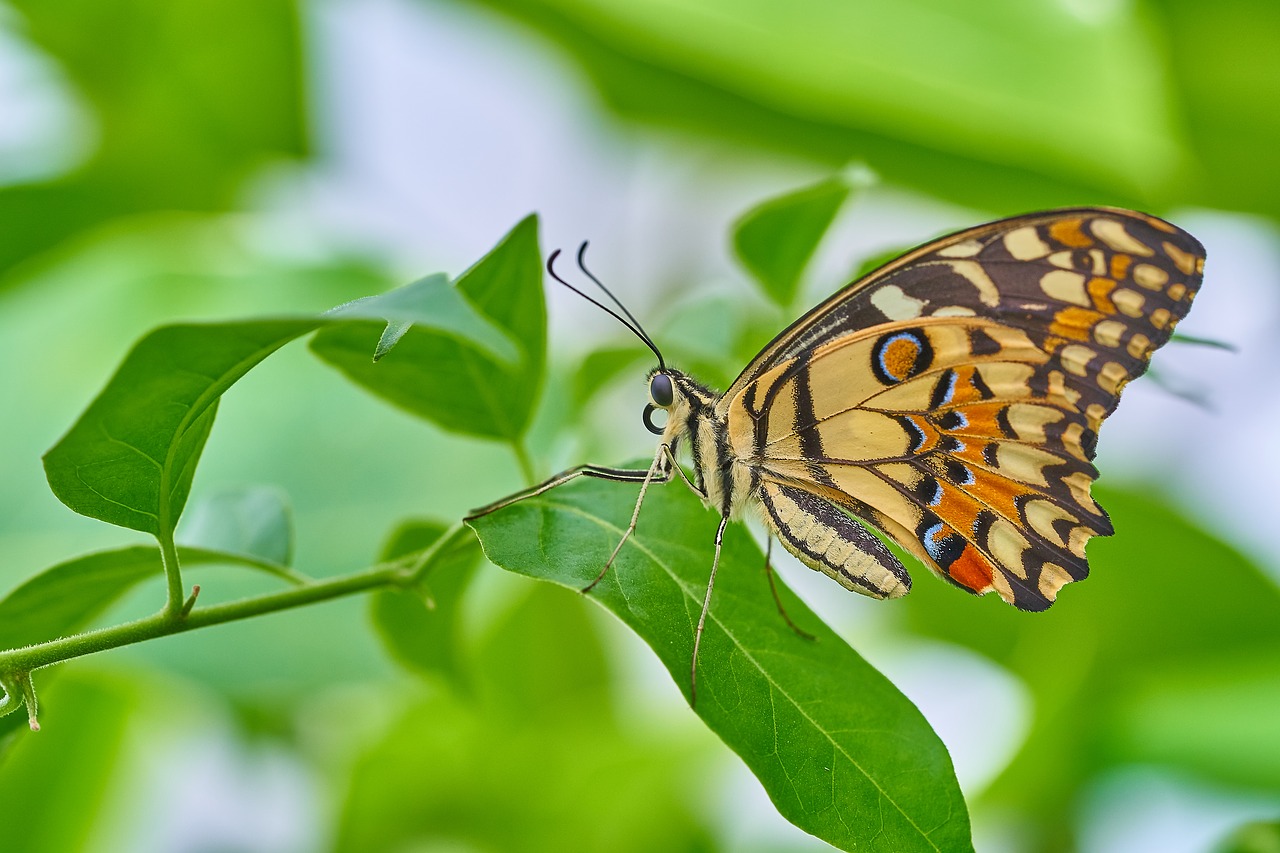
[661,391]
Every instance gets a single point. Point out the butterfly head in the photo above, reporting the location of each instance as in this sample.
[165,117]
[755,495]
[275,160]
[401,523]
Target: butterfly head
[662,395]
[682,398]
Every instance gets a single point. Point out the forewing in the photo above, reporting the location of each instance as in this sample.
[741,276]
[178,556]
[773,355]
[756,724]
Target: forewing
[1082,275]
[967,431]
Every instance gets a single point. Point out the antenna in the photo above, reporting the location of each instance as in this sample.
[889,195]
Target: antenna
[629,321]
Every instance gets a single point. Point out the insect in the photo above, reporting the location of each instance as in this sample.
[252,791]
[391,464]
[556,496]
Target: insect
[951,399]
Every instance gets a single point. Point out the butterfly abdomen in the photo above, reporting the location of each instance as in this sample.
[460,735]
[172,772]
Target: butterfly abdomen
[825,539]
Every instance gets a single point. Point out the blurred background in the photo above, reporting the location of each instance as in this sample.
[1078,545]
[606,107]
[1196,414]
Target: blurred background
[180,159]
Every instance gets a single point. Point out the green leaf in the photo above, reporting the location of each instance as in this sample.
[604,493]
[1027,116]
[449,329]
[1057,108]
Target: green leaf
[130,457]
[67,597]
[253,521]
[448,380]
[841,752]
[775,239]
[420,627]
[975,107]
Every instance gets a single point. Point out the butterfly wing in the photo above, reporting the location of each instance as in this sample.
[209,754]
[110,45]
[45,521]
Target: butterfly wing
[953,397]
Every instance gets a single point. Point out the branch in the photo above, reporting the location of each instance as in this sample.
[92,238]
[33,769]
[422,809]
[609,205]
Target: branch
[166,623]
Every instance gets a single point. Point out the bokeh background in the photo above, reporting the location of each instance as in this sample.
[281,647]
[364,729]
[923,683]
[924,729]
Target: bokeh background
[179,159]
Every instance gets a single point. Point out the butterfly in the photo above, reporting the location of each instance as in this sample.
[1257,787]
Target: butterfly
[950,399]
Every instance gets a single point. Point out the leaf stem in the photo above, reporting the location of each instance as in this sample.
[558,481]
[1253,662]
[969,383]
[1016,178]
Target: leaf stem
[166,623]
[526,464]
[173,574]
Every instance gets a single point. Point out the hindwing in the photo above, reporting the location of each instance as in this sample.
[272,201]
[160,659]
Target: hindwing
[953,397]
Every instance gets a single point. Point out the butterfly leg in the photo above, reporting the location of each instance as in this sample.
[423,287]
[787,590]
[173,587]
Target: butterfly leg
[617,475]
[660,472]
[702,618]
[773,588]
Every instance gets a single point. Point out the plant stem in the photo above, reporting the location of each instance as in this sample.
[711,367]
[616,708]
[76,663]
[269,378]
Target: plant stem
[165,623]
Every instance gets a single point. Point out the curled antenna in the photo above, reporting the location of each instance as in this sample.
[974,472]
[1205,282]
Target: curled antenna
[629,321]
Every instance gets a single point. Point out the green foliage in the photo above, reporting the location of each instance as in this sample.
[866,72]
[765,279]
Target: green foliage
[841,752]
[53,785]
[1166,657]
[980,107]
[419,625]
[1257,837]
[776,239]
[538,743]
[185,105]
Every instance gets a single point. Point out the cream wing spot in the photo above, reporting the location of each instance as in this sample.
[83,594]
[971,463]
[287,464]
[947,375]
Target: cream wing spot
[1052,578]
[1184,261]
[1065,287]
[1139,346]
[1029,420]
[1113,233]
[1112,378]
[1129,302]
[1075,358]
[1080,483]
[1150,277]
[1041,515]
[1058,389]
[975,274]
[1024,244]
[896,304]
[963,249]
[1007,545]
[1108,333]
[1095,413]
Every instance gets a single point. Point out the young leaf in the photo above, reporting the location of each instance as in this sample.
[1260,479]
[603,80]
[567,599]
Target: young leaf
[431,303]
[841,752]
[445,378]
[67,597]
[253,521]
[776,239]
[420,627]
